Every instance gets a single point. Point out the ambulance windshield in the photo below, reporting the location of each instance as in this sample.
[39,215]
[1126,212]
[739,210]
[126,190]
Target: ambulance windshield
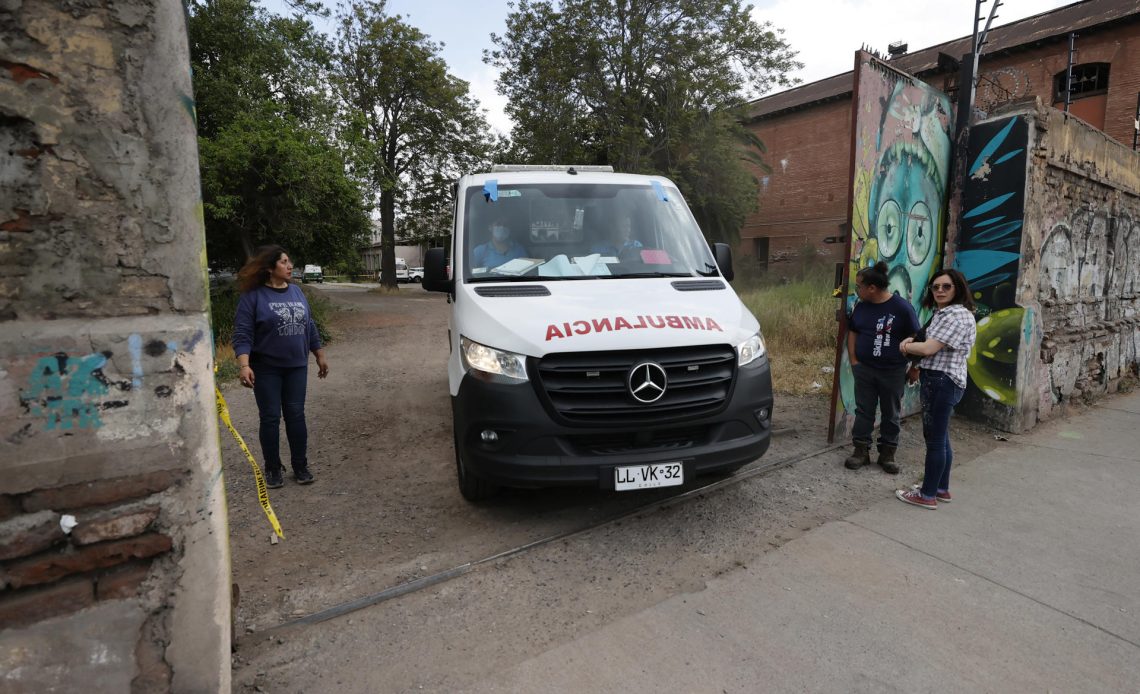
[540,232]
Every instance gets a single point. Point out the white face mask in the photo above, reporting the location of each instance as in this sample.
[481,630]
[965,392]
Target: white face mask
[500,233]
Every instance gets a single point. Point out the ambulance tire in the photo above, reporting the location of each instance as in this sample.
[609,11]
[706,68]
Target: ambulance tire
[472,488]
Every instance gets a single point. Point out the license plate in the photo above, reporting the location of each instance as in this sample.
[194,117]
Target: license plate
[648,476]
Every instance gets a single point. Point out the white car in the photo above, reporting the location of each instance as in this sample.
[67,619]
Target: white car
[415,274]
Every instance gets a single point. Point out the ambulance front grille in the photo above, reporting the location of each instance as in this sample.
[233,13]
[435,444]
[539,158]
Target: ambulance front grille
[593,387]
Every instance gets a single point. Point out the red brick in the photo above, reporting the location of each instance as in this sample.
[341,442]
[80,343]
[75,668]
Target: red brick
[806,201]
[25,535]
[20,608]
[121,583]
[52,567]
[100,492]
[113,525]
[9,507]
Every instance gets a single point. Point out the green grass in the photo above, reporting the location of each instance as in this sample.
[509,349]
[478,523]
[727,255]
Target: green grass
[797,318]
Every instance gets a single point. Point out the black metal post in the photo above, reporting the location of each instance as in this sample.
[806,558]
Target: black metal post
[1069,70]
[1136,125]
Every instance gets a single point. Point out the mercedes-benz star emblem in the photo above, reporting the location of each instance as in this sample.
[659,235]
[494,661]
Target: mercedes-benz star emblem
[647,382]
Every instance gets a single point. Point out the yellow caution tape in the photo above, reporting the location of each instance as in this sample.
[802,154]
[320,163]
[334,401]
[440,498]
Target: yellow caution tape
[262,490]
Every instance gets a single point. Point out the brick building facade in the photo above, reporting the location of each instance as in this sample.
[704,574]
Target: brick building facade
[807,130]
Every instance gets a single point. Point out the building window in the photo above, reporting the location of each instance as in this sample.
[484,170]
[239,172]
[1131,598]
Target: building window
[1089,79]
[760,250]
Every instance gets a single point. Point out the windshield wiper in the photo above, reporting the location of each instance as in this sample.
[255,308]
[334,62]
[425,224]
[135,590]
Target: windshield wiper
[642,275]
[508,278]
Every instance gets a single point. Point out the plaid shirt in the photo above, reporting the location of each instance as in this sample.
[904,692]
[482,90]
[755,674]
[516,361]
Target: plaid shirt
[954,327]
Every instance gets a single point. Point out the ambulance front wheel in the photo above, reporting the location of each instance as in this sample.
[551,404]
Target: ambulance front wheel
[472,487]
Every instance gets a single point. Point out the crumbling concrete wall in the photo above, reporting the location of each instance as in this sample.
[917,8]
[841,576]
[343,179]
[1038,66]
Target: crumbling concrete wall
[1050,242]
[1083,206]
[114,566]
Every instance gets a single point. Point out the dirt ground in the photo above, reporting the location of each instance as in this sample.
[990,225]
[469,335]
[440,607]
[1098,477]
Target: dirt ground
[385,509]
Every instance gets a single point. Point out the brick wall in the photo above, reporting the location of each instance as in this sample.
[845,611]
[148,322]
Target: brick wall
[62,549]
[114,567]
[803,199]
[1030,74]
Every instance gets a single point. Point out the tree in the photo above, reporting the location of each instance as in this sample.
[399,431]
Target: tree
[648,86]
[271,171]
[269,179]
[412,126]
[246,59]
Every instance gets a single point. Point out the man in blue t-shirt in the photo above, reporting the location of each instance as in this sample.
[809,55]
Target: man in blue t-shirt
[877,324]
[498,250]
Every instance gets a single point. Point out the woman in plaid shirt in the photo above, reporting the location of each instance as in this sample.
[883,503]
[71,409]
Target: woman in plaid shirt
[949,338]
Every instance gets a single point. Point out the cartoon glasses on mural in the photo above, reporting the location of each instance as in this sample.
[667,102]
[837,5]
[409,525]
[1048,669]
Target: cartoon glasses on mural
[904,197]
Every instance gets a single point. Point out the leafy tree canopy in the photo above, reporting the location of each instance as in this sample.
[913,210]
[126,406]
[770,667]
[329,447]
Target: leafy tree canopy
[648,86]
[271,170]
[268,179]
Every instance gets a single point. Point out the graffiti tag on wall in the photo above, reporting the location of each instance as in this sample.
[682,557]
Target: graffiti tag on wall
[67,392]
[1088,287]
[999,86]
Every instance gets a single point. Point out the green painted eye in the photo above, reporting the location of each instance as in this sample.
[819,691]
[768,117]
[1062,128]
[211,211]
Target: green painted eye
[888,228]
[919,233]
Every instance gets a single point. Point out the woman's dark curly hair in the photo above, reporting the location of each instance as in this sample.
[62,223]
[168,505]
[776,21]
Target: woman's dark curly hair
[961,290]
[256,270]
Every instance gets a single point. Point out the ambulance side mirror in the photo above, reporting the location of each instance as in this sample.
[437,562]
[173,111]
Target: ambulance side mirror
[723,254]
[435,271]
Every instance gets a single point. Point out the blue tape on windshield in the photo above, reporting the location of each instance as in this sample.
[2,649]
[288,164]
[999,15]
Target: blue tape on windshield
[657,188]
[491,190]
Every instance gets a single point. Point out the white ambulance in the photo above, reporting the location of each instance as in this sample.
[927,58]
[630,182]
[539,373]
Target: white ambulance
[595,339]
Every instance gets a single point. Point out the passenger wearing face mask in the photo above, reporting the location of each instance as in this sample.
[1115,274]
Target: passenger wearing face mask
[498,250]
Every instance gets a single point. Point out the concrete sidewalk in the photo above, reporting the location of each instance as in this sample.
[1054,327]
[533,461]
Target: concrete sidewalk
[1028,581]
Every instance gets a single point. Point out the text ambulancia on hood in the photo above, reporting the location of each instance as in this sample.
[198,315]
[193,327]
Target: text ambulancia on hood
[599,325]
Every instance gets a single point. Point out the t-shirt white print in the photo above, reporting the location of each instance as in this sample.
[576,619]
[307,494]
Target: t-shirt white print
[292,317]
[883,333]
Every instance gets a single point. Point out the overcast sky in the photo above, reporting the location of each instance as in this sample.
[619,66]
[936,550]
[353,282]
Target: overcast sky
[826,33]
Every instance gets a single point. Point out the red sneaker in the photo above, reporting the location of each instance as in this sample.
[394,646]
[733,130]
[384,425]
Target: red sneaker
[915,498]
[943,497]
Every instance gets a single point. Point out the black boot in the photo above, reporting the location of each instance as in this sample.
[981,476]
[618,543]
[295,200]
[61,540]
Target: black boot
[887,459]
[860,457]
[274,478]
[302,475]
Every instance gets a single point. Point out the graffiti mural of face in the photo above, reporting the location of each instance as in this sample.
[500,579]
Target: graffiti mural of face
[906,201]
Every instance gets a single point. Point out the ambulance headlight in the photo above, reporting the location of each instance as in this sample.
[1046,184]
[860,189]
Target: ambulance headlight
[750,350]
[489,360]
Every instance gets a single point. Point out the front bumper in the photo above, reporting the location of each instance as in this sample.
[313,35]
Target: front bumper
[534,450]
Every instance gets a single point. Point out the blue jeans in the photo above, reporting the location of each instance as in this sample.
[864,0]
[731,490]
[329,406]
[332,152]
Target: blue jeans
[281,390]
[939,396]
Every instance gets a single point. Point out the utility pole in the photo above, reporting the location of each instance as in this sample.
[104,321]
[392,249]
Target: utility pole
[1069,70]
[1136,126]
[967,89]
[968,77]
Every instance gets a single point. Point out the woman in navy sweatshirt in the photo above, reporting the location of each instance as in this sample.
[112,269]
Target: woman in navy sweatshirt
[273,335]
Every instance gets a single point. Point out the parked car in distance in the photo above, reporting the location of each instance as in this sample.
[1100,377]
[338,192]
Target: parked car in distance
[401,272]
[221,276]
[313,273]
[415,274]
